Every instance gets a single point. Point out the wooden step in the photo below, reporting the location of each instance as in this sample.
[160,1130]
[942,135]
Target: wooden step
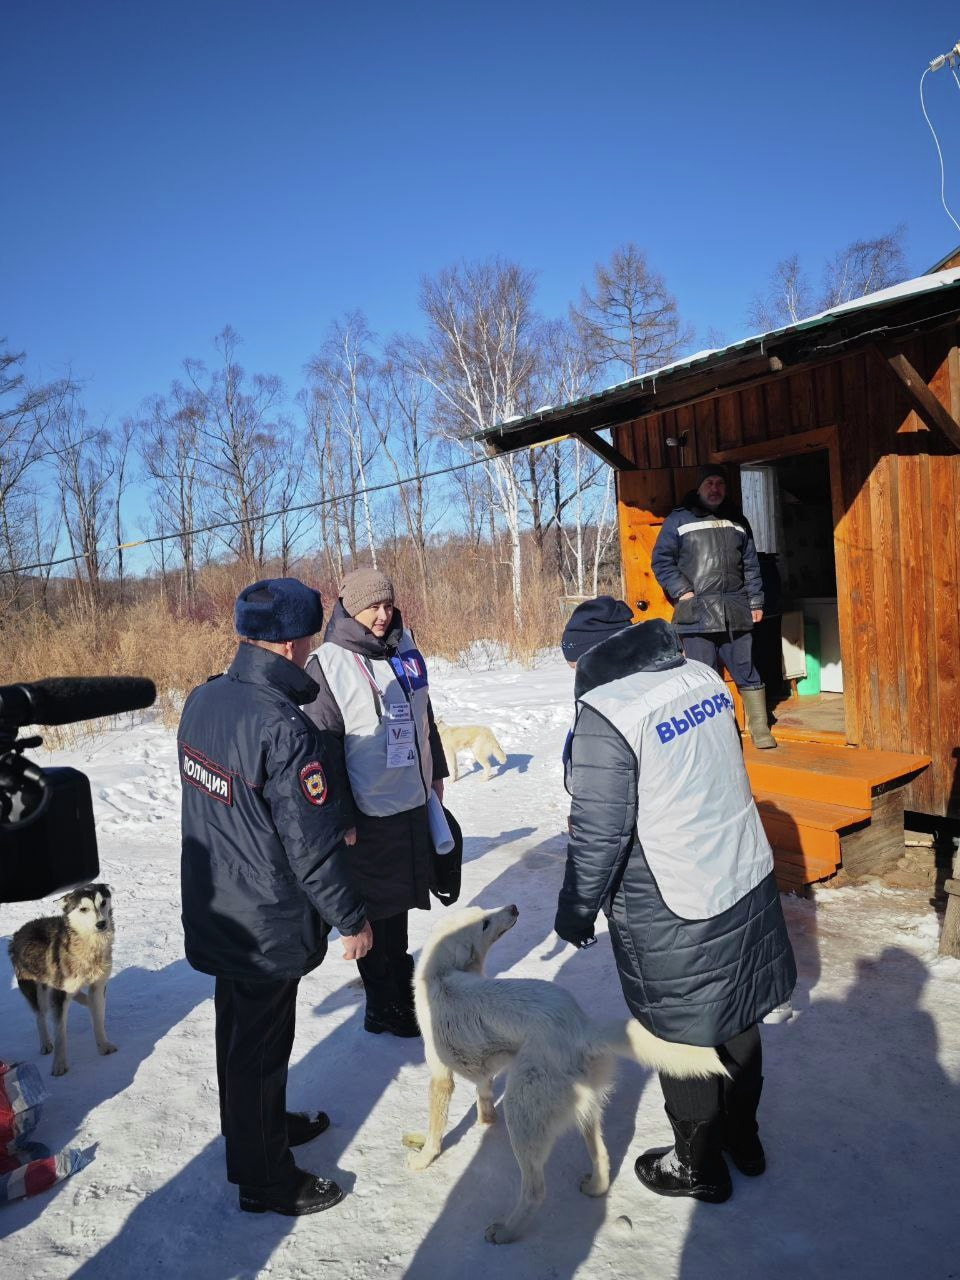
[845,776]
[805,834]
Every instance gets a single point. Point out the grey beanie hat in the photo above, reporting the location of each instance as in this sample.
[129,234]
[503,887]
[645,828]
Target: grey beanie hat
[363,588]
[278,609]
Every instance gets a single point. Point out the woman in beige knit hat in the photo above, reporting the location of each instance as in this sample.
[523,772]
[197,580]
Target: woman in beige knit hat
[374,698]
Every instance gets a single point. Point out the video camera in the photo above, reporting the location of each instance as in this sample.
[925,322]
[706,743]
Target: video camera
[48,841]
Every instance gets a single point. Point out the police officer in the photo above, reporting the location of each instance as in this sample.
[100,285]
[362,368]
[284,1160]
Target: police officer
[264,879]
[666,841]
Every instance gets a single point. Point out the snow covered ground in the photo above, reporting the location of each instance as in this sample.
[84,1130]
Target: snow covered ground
[860,1118]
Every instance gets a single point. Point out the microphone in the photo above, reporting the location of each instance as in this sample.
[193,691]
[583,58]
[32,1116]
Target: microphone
[67,699]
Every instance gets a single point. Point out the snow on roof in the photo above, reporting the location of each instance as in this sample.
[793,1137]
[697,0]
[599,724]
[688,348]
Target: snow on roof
[898,292]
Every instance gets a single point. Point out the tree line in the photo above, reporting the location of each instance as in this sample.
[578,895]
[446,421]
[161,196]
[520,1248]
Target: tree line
[226,468]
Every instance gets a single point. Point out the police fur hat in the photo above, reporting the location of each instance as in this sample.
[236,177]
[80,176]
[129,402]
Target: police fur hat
[278,609]
[591,622]
[363,588]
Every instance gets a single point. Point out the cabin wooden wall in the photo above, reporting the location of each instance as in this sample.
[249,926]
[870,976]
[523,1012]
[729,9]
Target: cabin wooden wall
[896,502]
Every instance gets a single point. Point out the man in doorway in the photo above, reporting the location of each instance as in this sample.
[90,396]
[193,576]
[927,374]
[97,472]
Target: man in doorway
[706,562]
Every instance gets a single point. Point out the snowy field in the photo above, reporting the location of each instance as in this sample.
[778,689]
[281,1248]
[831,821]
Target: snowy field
[860,1118]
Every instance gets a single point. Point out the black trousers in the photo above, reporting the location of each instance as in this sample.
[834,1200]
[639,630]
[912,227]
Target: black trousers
[730,1102]
[387,969]
[254,1033]
[719,649]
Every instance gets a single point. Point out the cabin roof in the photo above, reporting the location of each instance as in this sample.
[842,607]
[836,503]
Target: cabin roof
[925,302]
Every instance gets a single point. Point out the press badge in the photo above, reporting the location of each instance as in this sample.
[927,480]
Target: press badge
[399,711]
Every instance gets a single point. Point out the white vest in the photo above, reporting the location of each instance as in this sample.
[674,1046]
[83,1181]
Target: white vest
[680,723]
[364,688]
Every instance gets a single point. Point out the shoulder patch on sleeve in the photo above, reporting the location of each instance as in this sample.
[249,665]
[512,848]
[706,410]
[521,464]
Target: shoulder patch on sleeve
[313,782]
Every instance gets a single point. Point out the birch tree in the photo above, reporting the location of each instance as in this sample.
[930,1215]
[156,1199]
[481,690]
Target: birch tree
[239,441]
[170,448]
[342,371]
[27,414]
[479,358]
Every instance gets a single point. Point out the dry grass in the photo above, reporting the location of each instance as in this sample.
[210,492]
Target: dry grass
[468,603]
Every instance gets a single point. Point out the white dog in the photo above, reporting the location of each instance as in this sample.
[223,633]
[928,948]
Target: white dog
[560,1063]
[475,738]
[54,957]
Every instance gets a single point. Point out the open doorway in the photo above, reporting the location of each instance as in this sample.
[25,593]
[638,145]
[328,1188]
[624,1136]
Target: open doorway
[797,647]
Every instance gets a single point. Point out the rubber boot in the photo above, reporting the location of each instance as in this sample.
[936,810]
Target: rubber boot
[694,1166]
[755,710]
[739,1132]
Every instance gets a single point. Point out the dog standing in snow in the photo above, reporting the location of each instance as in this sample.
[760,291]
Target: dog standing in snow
[55,957]
[475,738]
[560,1063]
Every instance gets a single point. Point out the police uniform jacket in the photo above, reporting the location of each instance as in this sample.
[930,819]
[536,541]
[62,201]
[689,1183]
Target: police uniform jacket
[712,554]
[667,841]
[263,868]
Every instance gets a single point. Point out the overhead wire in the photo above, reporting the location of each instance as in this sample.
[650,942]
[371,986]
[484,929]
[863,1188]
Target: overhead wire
[923,108]
[265,515]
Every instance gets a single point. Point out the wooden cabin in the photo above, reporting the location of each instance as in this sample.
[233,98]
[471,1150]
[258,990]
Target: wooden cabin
[848,423]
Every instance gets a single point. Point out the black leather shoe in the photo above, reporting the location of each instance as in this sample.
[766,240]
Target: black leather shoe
[747,1155]
[302,1127]
[305,1194]
[394,1019]
[662,1172]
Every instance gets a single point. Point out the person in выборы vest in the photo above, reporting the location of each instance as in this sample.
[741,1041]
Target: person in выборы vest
[374,702]
[666,841]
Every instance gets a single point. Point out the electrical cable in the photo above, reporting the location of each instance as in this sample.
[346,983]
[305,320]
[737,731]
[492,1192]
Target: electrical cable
[936,140]
[266,515]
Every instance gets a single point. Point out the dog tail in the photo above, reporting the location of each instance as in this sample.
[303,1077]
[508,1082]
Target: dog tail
[686,1061]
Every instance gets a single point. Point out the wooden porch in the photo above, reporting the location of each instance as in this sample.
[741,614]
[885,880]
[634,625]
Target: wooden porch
[826,806]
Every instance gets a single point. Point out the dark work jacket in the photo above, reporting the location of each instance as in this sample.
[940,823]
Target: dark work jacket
[695,920]
[391,861]
[712,554]
[263,868]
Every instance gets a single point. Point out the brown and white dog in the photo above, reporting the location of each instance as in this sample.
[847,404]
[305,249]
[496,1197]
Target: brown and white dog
[559,1063]
[55,957]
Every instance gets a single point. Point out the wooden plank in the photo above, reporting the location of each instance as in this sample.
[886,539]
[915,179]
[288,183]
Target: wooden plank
[810,813]
[705,419]
[854,539]
[802,414]
[728,423]
[685,423]
[777,406]
[889,640]
[945,569]
[797,442]
[834,775]
[877,848]
[826,392]
[753,415]
[916,707]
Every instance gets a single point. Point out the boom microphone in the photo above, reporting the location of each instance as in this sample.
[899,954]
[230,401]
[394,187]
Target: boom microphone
[67,699]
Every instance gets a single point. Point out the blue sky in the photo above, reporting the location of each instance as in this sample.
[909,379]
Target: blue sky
[173,167]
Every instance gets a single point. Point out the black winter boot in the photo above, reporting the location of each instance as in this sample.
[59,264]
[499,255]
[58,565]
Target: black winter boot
[302,1193]
[693,1166]
[739,1132]
[394,1018]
